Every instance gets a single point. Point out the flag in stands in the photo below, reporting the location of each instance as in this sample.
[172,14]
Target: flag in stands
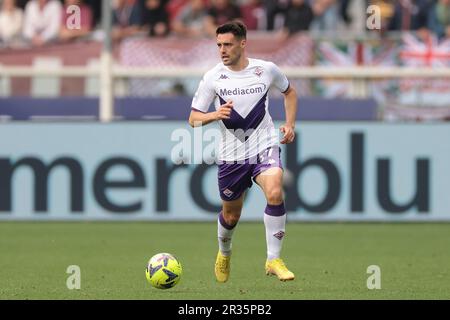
[355,54]
[427,53]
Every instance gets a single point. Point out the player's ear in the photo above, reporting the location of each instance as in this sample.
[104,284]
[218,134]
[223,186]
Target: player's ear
[243,43]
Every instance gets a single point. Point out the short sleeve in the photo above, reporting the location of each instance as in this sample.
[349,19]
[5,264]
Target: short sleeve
[204,96]
[279,80]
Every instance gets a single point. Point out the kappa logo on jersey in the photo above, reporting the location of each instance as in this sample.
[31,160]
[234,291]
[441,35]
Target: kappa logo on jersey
[223,76]
[259,71]
[228,192]
[279,235]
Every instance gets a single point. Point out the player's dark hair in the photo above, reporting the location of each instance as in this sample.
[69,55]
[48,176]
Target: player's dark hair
[237,28]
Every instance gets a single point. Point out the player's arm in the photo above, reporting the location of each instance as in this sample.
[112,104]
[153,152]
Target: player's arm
[198,118]
[290,105]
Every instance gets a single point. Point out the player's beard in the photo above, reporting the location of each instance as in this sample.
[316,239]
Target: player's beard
[232,62]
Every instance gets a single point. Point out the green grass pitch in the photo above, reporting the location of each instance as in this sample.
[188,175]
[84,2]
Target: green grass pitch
[330,260]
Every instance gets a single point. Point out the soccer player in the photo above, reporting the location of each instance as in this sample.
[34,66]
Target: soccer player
[249,148]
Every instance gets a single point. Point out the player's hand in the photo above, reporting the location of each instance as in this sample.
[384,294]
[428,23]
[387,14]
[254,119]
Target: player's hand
[289,134]
[224,111]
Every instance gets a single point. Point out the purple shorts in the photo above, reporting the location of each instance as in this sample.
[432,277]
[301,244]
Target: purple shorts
[235,178]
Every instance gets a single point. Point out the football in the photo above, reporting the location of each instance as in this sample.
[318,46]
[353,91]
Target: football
[163,271]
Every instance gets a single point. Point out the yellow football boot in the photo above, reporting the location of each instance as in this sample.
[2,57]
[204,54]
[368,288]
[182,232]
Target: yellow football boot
[278,268]
[222,267]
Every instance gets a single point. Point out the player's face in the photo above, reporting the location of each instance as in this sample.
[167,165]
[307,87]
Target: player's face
[230,48]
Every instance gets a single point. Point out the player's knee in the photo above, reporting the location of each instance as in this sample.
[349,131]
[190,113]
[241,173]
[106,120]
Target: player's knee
[275,196]
[233,220]
[231,217]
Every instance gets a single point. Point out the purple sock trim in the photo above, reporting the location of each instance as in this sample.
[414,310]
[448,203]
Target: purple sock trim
[224,223]
[275,210]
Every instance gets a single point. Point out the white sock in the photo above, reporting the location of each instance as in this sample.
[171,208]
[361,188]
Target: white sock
[275,230]
[224,235]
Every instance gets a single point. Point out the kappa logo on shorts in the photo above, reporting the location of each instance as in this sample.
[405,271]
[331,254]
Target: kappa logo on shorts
[279,235]
[228,192]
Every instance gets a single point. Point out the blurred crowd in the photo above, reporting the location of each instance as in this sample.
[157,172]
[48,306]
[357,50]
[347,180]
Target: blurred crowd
[37,22]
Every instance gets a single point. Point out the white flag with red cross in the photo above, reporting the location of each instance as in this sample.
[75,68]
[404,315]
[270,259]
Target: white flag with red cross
[351,55]
[431,53]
